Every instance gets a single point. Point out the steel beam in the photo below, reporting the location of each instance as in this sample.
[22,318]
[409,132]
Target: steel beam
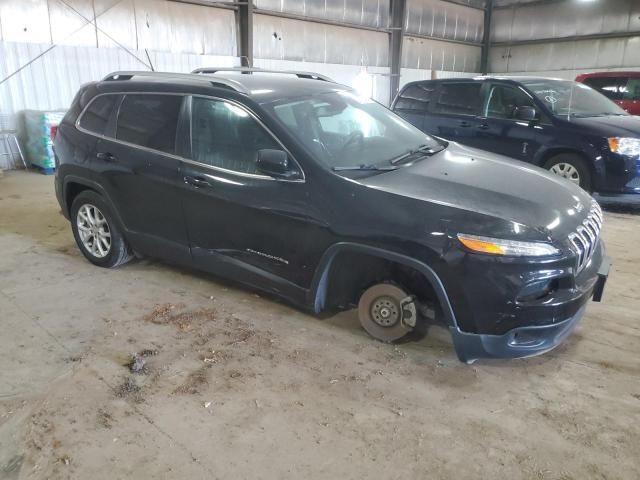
[395,45]
[244,16]
[486,38]
[574,38]
[445,40]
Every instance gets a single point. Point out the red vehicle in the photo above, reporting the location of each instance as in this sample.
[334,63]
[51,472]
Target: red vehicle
[621,87]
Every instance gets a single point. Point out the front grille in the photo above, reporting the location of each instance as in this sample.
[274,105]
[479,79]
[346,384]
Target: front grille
[585,238]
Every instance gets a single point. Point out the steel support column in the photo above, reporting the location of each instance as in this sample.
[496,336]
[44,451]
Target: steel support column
[395,45]
[244,15]
[486,38]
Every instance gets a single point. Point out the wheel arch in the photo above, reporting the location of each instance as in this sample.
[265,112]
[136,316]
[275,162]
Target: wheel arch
[73,186]
[322,278]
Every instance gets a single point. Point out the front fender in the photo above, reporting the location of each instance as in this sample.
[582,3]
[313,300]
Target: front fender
[319,284]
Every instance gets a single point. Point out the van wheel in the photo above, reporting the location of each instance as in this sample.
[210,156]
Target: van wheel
[572,167]
[380,311]
[96,232]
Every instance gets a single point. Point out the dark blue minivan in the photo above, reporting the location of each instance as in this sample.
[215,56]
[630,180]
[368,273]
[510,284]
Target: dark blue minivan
[563,126]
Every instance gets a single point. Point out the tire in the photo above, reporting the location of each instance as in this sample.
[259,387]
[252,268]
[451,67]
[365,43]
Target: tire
[571,167]
[384,325]
[96,232]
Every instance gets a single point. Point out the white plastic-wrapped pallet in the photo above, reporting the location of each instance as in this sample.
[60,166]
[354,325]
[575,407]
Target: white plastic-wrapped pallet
[39,145]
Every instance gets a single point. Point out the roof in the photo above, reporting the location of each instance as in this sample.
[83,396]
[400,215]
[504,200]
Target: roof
[508,78]
[262,87]
[266,88]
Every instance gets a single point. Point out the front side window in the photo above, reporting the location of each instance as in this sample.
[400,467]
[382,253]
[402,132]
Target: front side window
[341,129]
[149,121]
[567,98]
[459,99]
[415,98]
[97,115]
[611,87]
[505,101]
[224,135]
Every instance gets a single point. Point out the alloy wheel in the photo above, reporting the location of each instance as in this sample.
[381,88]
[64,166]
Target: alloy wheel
[93,230]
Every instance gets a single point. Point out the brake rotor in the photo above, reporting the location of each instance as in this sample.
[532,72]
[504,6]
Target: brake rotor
[381,310]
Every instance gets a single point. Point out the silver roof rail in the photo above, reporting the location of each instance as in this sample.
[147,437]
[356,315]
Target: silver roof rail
[128,75]
[299,74]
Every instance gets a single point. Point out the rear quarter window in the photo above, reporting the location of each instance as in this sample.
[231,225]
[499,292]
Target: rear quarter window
[96,117]
[415,98]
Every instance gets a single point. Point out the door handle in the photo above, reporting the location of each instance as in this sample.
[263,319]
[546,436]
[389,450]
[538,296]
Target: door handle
[464,123]
[106,156]
[198,182]
[483,126]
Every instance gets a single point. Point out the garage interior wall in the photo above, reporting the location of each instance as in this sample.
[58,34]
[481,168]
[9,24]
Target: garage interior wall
[442,37]
[564,38]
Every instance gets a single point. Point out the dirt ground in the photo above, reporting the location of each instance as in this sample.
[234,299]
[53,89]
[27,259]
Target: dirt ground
[149,371]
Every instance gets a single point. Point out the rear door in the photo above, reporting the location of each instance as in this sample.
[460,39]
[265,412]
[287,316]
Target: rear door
[138,167]
[499,129]
[453,114]
[413,102]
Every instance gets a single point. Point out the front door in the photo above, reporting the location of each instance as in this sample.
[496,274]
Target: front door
[500,131]
[242,223]
[137,166]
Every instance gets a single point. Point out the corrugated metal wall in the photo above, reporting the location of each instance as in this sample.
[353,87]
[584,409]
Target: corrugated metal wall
[429,24]
[561,20]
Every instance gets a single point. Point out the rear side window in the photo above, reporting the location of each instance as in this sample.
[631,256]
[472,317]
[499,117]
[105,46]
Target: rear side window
[415,98]
[226,136]
[459,99]
[611,87]
[97,115]
[149,121]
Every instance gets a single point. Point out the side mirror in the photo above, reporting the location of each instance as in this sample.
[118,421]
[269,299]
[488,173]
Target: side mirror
[275,163]
[526,113]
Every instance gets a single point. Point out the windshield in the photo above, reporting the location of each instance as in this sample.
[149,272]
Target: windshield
[342,130]
[564,97]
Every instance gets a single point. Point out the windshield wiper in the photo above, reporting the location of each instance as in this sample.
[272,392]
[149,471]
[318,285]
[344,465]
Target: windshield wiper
[426,149]
[342,168]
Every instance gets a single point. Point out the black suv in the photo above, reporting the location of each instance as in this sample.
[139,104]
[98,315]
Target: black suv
[297,186]
[563,126]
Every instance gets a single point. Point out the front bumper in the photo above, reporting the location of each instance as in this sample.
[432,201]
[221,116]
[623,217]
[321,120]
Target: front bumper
[526,341]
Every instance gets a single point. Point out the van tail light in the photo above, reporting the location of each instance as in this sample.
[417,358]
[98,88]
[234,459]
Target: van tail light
[53,132]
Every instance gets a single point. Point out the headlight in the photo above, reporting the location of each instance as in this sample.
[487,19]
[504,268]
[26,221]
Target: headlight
[624,145]
[498,246]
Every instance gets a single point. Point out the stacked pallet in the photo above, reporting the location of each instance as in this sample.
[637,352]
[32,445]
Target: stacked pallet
[39,144]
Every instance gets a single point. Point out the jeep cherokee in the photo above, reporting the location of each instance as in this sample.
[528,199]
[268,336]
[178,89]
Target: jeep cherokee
[295,185]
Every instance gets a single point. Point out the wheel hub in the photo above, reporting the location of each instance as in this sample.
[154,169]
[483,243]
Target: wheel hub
[94,230]
[385,312]
[566,170]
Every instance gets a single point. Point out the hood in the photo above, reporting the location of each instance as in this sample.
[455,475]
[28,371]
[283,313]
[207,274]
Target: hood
[489,184]
[610,125]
